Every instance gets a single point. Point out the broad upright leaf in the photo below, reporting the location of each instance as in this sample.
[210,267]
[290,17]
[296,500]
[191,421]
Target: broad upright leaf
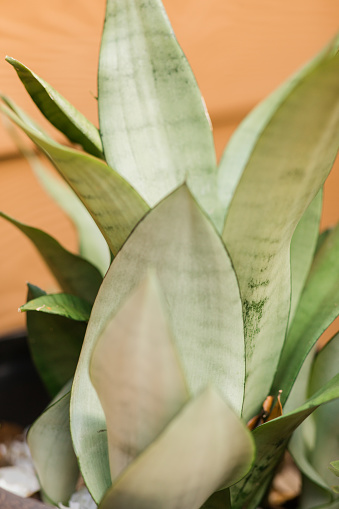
[271,439]
[243,142]
[203,449]
[201,290]
[153,122]
[112,202]
[60,113]
[61,304]
[50,443]
[303,246]
[137,376]
[55,343]
[74,274]
[287,167]
[318,307]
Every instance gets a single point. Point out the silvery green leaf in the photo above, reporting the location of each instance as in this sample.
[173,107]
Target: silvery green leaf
[137,375]
[287,166]
[205,447]
[50,443]
[154,125]
[181,245]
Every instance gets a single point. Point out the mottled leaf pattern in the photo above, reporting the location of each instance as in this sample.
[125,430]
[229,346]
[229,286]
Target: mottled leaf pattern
[189,259]
[153,122]
[287,168]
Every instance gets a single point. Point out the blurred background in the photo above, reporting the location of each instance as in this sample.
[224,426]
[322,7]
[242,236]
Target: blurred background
[240,50]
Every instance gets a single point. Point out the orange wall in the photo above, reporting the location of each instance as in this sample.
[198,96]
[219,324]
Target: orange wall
[240,50]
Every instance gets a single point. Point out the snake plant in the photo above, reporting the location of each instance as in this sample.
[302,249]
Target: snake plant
[217,290]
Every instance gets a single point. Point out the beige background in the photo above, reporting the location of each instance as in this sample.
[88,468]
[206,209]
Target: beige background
[240,50]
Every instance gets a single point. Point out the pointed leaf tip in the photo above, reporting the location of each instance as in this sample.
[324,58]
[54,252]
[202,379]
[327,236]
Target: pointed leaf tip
[134,365]
[206,446]
[58,111]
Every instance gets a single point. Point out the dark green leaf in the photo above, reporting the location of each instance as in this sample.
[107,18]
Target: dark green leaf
[55,343]
[59,111]
[74,274]
[219,500]
[61,304]
[318,307]
[303,246]
[271,440]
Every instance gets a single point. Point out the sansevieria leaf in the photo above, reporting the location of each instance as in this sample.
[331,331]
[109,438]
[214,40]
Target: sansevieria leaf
[153,122]
[315,442]
[74,274]
[318,307]
[61,304]
[326,418]
[271,439]
[137,375]
[50,443]
[203,449]
[286,169]
[179,242]
[23,116]
[114,205]
[219,500]
[55,353]
[60,113]
[303,246]
[92,245]
[243,142]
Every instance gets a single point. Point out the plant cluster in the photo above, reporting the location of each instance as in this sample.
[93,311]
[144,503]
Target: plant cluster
[216,284]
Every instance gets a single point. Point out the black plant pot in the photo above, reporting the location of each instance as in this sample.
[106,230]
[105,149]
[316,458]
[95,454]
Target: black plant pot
[22,394]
